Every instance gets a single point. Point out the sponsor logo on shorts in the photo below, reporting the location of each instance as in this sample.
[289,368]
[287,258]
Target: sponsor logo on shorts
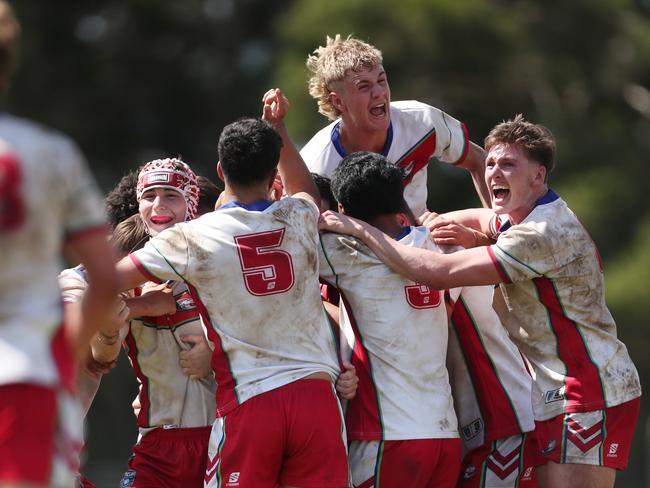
[128,479]
[613,449]
[158,178]
[555,395]
[550,447]
[233,479]
[469,472]
[471,430]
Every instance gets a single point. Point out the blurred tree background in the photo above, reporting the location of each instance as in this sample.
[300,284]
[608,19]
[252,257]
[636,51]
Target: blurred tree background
[139,79]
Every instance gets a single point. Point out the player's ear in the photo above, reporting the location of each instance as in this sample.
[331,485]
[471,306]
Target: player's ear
[220,172]
[336,101]
[341,209]
[271,180]
[540,175]
[403,220]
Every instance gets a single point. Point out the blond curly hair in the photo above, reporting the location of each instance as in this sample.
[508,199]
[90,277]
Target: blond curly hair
[329,64]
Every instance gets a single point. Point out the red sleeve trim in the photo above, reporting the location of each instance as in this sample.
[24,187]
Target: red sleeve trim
[463,156]
[143,270]
[502,272]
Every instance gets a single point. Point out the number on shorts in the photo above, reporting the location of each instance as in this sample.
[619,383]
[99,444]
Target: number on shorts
[267,270]
[12,205]
[421,296]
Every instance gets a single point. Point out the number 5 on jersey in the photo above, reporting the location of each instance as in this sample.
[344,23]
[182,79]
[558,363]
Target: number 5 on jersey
[267,269]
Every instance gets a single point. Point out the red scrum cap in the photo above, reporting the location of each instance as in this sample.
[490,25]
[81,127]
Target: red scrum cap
[173,174]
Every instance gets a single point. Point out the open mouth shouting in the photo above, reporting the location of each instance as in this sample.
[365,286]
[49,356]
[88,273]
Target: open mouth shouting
[379,110]
[500,193]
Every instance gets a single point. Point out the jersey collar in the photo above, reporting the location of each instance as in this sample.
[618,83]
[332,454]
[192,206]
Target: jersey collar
[336,140]
[549,197]
[258,206]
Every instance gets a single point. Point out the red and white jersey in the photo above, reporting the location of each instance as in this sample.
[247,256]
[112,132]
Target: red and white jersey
[47,196]
[489,380]
[168,397]
[417,132]
[553,305]
[397,332]
[253,272]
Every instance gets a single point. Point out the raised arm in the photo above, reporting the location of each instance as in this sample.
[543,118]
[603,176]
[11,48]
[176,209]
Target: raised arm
[475,164]
[439,271]
[295,176]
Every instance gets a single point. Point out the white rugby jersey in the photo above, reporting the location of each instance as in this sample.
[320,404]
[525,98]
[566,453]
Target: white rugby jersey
[73,283]
[254,274]
[489,381]
[168,397]
[47,196]
[554,308]
[416,133]
[397,331]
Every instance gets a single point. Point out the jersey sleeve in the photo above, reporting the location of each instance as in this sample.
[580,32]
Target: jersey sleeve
[84,209]
[452,141]
[521,253]
[72,285]
[336,257]
[165,257]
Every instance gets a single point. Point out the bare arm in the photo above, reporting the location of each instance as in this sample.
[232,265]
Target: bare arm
[463,268]
[475,218]
[97,303]
[295,176]
[128,275]
[475,164]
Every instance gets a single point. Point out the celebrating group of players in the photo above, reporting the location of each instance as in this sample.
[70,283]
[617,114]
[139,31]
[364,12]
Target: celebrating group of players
[395,348]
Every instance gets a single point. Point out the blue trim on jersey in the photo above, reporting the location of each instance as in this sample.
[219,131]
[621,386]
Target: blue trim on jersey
[549,197]
[258,206]
[336,140]
[403,233]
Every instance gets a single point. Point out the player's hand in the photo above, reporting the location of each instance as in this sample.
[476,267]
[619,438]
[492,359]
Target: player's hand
[195,362]
[446,232]
[347,382]
[427,217]
[275,106]
[339,223]
[137,406]
[157,300]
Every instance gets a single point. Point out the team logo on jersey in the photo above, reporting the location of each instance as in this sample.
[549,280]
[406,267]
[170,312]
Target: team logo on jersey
[469,472]
[555,395]
[472,429]
[233,479]
[550,447]
[421,296]
[158,178]
[128,479]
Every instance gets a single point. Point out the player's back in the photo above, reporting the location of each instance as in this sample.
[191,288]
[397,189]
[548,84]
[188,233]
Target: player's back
[253,272]
[46,197]
[398,331]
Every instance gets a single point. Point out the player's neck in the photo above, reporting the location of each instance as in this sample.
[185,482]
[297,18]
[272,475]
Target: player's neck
[388,224]
[354,140]
[244,195]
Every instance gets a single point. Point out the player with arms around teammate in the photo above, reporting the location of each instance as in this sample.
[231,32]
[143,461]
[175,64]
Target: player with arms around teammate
[48,202]
[252,267]
[401,425]
[586,389]
[351,86]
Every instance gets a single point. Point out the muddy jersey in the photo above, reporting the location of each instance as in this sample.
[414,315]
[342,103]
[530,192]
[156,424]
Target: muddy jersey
[553,305]
[397,332]
[168,397]
[47,196]
[417,132]
[489,381]
[253,272]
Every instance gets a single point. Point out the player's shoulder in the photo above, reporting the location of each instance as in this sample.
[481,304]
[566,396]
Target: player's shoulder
[410,112]
[317,148]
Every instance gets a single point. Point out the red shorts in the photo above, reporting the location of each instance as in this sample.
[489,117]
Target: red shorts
[293,435]
[28,420]
[503,463]
[599,438]
[168,458]
[417,463]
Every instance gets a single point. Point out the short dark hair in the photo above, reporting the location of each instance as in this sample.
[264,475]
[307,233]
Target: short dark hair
[208,194]
[535,140]
[368,185]
[249,151]
[121,202]
[324,186]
